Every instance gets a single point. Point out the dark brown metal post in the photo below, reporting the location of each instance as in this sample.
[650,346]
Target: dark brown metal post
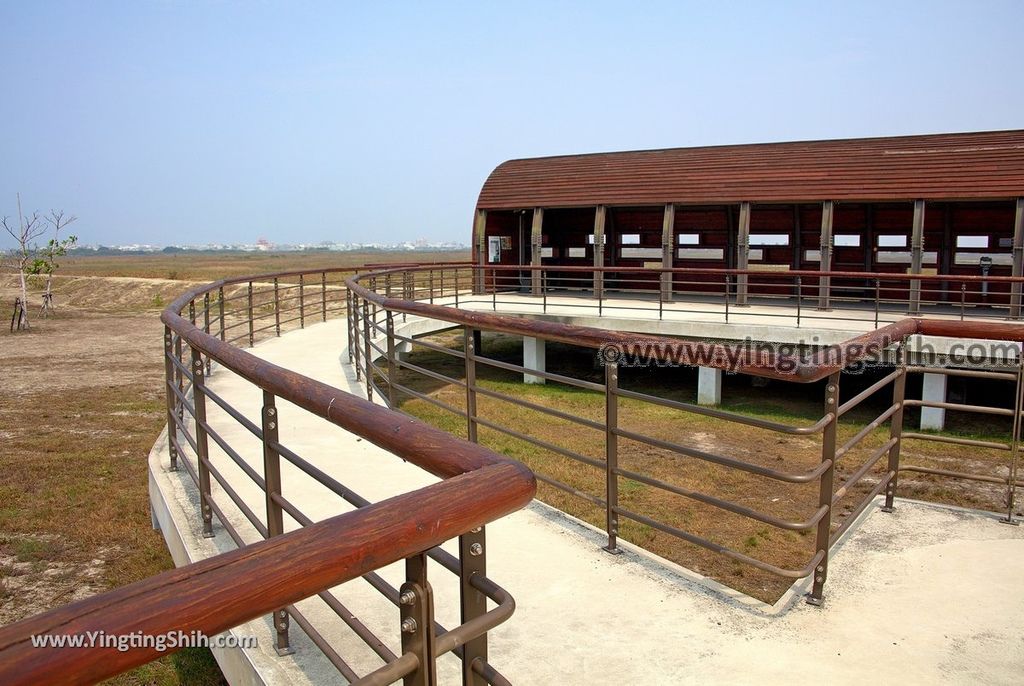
[202,441]
[349,322]
[252,339]
[169,380]
[206,323]
[302,301]
[899,388]
[192,311]
[392,362]
[367,355]
[356,343]
[470,347]
[275,514]
[473,556]
[1011,481]
[878,293]
[416,608]
[611,453]
[799,290]
[277,309]
[828,455]
[220,310]
[323,296]
[179,376]
[728,284]
[430,285]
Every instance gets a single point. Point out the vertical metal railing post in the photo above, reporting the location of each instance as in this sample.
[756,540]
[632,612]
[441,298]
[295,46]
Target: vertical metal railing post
[277,308]
[323,296]
[543,289]
[611,453]
[192,311]
[878,291]
[367,355]
[357,342]
[799,290]
[1011,480]
[202,441]
[416,607]
[899,390]
[206,323]
[252,339]
[302,301]
[430,284]
[275,513]
[220,310]
[172,402]
[825,491]
[392,362]
[349,320]
[963,299]
[728,282]
[469,348]
[178,376]
[456,287]
[473,558]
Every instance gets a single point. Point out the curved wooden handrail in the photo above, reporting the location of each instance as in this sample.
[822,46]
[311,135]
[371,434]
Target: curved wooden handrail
[216,594]
[227,590]
[821,364]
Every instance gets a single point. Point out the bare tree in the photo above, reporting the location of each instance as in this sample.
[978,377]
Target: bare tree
[46,259]
[21,257]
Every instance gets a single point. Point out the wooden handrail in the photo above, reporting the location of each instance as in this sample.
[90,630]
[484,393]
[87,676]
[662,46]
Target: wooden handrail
[221,592]
[821,364]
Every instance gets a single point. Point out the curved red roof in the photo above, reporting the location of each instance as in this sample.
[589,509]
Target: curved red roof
[957,166]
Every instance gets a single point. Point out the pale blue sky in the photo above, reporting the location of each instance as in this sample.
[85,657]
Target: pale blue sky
[187,122]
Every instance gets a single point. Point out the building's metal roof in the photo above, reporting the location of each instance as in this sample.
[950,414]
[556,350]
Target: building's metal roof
[969,166]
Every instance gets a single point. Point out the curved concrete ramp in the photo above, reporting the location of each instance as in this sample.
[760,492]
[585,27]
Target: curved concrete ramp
[926,595]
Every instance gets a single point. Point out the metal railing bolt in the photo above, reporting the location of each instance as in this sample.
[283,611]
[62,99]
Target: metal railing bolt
[409,625]
[476,549]
[407,598]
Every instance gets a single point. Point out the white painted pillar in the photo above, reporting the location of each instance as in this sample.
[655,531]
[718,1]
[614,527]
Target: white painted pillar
[933,390]
[709,386]
[402,350]
[534,357]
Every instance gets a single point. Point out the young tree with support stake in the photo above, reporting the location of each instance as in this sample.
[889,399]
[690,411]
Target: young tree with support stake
[22,257]
[46,260]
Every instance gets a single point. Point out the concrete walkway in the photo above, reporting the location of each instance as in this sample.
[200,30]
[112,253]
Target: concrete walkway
[926,595]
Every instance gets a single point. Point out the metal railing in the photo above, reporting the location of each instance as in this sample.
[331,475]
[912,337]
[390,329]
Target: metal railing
[792,296]
[477,487]
[846,475]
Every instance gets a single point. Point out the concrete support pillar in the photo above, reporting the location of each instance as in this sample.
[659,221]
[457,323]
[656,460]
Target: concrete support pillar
[825,254]
[480,242]
[742,253]
[709,386]
[1018,258]
[599,218]
[534,357]
[536,238]
[933,390]
[916,255]
[402,350]
[667,226]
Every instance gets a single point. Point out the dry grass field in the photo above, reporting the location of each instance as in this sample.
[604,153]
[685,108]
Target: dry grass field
[80,407]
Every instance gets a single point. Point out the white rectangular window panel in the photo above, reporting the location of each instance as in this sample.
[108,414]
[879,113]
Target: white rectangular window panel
[755,254]
[577,252]
[641,253]
[629,239]
[604,239]
[892,241]
[812,256]
[688,239]
[700,253]
[769,239]
[846,240]
[1002,259]
[972,241]
[547,252]
[904,257]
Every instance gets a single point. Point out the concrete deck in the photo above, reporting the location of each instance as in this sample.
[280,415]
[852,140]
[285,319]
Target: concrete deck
[925,595]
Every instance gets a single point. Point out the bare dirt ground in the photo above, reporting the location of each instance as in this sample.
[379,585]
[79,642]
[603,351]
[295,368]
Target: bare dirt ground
[80,407]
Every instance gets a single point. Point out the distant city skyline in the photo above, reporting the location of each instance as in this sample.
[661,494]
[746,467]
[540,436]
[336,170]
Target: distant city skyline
[181,122]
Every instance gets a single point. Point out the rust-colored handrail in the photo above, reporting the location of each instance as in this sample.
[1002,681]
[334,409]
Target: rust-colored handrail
[478,487]
[221,592]
[821,364]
